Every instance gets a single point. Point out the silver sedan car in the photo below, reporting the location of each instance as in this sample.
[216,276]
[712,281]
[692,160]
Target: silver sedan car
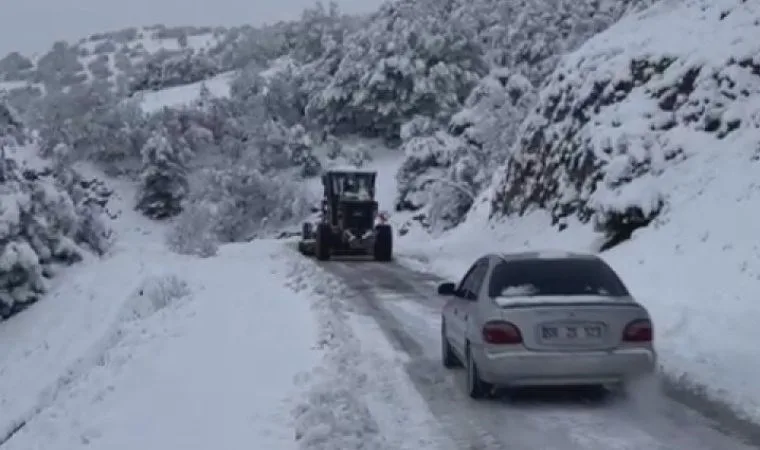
[544,319]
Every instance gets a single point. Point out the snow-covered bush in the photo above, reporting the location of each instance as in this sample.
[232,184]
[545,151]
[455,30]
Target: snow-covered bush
[241,202]
[632,102]
[157,292]
[163,181]
[194,233]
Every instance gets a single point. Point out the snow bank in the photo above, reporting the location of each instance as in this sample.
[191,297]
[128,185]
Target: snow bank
[633,102]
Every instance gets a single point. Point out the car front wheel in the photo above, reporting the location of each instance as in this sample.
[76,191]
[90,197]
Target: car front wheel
[476,387]
[448,358]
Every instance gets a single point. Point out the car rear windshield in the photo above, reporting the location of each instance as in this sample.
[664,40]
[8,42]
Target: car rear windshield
[555,277]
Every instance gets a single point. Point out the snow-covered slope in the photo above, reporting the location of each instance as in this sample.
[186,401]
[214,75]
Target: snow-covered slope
[650,111]
[634,102]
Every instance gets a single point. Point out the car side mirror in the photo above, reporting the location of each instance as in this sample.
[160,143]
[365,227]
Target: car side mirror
[447,289]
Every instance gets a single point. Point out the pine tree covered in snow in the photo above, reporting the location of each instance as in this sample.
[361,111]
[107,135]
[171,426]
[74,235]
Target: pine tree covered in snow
[163,181]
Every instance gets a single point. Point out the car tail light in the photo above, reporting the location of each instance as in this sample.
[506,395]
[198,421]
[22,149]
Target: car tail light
[501,332]
[639,330]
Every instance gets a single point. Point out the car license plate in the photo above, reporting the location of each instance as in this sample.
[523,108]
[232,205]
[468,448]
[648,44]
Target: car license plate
[580,332]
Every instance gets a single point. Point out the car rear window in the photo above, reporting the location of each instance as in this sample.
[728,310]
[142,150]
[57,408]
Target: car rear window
[555,277]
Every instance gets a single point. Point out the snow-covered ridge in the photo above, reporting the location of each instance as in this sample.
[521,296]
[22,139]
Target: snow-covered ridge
[126,59]
[633,101]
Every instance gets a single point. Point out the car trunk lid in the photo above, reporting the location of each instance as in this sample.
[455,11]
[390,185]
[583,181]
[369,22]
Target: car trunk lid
[570,323]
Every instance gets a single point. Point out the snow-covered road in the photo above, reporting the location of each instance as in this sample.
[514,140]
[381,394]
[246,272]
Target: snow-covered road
[259,347]
[405,305]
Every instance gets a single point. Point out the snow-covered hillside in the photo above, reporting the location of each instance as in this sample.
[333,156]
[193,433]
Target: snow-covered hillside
[649,118]
[127,59]
[634,102]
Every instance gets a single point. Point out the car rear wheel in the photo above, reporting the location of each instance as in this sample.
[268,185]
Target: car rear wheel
[476,387]
[448,358]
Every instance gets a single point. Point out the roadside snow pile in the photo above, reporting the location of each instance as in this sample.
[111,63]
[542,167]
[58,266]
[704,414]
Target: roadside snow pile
[360,393]
[697,266]
[630,104]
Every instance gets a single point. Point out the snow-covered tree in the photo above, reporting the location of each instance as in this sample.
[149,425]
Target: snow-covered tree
[235,202]
[170,69]
[522,42]
[163,181]
[444,170]
[409,60]
[46,218]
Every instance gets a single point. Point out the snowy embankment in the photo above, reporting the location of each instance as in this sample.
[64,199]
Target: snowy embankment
[696,267]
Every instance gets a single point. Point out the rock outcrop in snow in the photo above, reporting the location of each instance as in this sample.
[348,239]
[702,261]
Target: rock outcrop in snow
[649,92]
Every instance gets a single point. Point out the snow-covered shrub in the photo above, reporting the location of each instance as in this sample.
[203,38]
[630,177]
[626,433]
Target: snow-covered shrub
[156,293]
[193,233]
[245,202]
[632,102]
[163,181]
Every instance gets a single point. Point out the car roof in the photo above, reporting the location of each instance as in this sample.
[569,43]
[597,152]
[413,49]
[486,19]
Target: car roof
[545,255]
